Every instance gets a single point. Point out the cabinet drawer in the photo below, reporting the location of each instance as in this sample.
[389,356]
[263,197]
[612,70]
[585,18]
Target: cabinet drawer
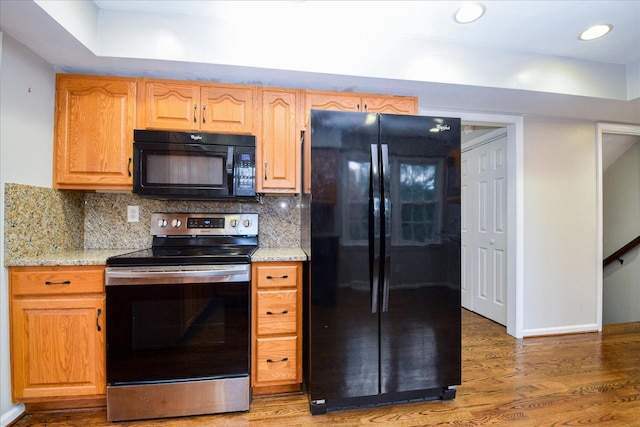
[56,280]
[277,276]
[277,312]
[277,360]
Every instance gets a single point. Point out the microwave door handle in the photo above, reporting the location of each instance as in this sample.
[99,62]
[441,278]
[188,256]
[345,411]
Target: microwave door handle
[230,159]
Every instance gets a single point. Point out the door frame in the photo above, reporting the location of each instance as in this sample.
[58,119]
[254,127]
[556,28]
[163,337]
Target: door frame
[515,201]
[601,129]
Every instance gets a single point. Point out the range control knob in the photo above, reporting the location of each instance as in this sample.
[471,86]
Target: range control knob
[233,223]
[162,223]
[176,223]
[246,223]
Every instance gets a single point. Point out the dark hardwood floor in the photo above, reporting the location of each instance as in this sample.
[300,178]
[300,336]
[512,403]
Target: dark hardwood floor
[569,380]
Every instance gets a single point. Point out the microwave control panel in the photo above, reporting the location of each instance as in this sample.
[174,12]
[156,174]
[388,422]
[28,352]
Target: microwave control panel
[244,176]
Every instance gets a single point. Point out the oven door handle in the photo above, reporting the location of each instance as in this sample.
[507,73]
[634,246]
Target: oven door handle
[172,275]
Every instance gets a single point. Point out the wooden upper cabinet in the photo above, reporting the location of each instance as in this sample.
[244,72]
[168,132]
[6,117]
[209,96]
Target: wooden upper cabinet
[168,105]
[93,135]
[390,104]
[184,106]
[332,101]
[278,153]
[228,109]
[341,101]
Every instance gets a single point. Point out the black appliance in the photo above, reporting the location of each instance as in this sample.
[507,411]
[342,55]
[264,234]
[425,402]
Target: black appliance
[194,166]
[178,317]
[381,227]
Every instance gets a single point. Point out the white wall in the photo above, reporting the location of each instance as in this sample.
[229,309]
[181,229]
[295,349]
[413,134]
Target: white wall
[560,227]
[621,224]
[27,88]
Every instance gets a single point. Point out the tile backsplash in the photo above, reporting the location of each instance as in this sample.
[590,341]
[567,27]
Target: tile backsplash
[43,220]
[106,226]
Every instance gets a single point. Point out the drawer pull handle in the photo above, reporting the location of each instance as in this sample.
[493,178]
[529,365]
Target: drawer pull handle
[284,359]
[282,312]
[278,277]
[66,282]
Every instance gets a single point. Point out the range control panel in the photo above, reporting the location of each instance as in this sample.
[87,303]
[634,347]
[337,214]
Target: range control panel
[213,224]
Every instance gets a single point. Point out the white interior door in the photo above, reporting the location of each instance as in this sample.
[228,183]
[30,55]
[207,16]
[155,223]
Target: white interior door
[484,226]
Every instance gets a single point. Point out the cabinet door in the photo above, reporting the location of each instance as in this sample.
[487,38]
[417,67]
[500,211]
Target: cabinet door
[228,109]
[330,101]
[390,104]
[278,166]
[170,106]
[94,120]
[58,347]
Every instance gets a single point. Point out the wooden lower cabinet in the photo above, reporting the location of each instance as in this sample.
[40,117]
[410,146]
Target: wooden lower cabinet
[276,365]
[57,327]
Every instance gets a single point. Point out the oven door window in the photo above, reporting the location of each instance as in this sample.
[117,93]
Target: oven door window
[171,332]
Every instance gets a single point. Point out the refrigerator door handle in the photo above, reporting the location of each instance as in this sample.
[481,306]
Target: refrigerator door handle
[374,232]
[386,224]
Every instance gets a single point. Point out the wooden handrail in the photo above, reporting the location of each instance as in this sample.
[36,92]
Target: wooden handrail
[623,250]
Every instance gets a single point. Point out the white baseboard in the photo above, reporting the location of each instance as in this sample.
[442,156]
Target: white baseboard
[11,415]
[560,330]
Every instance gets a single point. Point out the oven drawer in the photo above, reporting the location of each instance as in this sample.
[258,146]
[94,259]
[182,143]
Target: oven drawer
[277,312]
[279,275]
[57,280]
[277,361]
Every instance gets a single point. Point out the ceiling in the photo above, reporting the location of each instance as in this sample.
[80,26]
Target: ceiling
[546,27]
[522,57]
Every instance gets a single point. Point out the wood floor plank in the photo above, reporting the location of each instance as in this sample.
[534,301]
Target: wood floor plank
[571,380]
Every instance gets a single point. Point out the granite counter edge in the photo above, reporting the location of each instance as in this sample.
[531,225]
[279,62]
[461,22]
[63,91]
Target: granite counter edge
[99,257]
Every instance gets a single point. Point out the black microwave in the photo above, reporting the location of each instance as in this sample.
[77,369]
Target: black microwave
[194,166]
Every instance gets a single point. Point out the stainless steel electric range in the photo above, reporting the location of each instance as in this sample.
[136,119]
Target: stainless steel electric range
[178,317]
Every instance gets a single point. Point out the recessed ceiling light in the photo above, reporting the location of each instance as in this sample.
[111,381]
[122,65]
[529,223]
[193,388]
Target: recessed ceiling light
[469,13]
[595,32]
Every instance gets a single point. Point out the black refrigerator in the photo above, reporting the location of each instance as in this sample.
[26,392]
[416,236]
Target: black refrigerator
[381,228]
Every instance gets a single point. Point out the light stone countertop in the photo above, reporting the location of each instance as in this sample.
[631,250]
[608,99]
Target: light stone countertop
[278,254]
[73,257]
[99,257]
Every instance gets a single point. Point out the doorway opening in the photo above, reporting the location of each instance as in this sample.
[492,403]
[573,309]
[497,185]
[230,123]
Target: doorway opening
[618,183]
